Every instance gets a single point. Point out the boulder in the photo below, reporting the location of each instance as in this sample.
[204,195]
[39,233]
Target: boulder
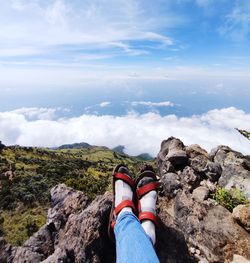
[241,214]
[76,231]
[235,169]
[189,178]
[170,184]
[5,250]
[200,193]
[195,150]
[64,201]
[205,167]
[84,237]
[210,228]
[172,150]
[239,259]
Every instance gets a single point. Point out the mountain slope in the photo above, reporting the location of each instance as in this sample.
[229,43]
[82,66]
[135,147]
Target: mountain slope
[27,174]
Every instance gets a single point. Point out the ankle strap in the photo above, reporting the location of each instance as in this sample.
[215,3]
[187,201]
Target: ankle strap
[147,188]
[125,203]
[125,178]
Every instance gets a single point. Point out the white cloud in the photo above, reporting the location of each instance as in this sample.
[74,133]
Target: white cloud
[139,133]
[104,104]
[78,25]
[237,22]
[153,104]
[38,113]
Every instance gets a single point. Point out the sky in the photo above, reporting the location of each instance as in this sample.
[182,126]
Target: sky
[125,72]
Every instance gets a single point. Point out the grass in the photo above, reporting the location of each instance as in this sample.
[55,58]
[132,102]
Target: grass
[229,198]
[37,170]
[20,224]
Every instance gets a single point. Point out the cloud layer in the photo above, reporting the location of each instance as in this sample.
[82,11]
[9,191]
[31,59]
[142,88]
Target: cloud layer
[139,133]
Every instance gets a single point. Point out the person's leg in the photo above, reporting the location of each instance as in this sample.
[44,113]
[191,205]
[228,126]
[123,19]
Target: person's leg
[133,245]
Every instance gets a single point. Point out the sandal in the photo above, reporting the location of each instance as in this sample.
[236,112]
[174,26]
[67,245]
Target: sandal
[119,173]
[146,182]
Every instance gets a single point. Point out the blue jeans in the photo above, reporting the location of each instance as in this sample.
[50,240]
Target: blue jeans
[133,245]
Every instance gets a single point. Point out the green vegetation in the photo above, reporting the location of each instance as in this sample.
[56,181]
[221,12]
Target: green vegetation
[229,198]
[244,133]
[19,226]
[27,174]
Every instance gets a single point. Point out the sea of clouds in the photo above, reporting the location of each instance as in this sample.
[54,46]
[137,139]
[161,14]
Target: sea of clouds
[139,133]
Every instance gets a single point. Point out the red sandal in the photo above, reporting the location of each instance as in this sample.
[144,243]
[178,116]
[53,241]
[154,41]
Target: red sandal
[125,203]
[143,188]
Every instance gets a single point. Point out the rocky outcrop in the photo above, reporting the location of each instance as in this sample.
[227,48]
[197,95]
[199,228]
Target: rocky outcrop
[241,214]
[210,230]
[75,231]
[193,227]
[236,169]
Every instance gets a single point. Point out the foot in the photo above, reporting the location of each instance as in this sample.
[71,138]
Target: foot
[123,190]
[147,197]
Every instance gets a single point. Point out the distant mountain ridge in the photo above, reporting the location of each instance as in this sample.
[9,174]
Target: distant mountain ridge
[143,156]
[74,146]
[118,149]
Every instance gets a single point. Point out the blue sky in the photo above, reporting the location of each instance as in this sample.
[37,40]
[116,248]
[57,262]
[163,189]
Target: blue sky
[61,60]
[94,38]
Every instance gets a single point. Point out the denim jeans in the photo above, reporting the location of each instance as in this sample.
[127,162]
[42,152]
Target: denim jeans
[133,245]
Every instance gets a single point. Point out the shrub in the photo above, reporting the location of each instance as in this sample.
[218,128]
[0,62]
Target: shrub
[229,198]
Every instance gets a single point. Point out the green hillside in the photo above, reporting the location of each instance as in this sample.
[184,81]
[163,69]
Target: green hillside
[27,174]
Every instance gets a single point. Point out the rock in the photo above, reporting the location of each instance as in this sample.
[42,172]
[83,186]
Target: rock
[195,150]
[5,250]
[172,150]
[235,169]
[171,246]
[200,194]
[84,237]
[167,167]
[241,214]
[204,166]
[76,231]
[170,184]
[42,242]
[235,177]
[189,178]
[239,259]
[23,255]
[64,201]
[211,229]
[208,184]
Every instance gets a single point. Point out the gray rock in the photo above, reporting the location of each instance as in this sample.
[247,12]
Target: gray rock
[76,231]
[211,229]
[204,166]
[189,178]
[170,184]
[234,176]
[241,214]
[65,201]
[5,250]
[200,194]
[167,167]
[23,255]
[84,237]
[239,259]
[209,185]
[235,169]
[172,150]
[195,150]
